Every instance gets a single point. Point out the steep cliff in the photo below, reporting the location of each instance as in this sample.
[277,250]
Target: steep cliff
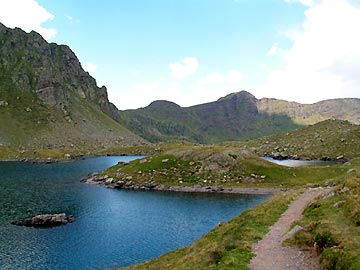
[48,100]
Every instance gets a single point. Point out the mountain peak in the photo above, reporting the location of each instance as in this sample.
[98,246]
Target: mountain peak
[242,95]
[163,104]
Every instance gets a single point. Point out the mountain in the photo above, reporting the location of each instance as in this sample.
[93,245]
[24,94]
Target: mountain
[47,100]
[329,139]
[309,114]
[238,116]
[234,117]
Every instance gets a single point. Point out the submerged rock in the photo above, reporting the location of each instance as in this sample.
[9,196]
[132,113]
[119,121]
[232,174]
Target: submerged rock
[49,220]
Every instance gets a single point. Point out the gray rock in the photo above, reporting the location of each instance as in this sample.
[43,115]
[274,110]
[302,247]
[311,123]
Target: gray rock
[337,204]
[292,232]
[330,183]
[3,103]
[49,220]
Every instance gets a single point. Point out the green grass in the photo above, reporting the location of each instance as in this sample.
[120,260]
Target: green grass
[330,138]
[191,165]
[228,246]
[336,230]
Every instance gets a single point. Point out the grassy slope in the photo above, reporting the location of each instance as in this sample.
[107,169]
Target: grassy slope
[44,132]
[228,246]
[79,123]
[336,229]
[309,114]
[234,117]
[248,173]
[330,138]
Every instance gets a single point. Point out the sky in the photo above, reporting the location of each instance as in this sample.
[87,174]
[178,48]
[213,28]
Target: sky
[196,51]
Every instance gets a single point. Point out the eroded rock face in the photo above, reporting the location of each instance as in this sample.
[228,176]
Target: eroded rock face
[49,220]
[53,72]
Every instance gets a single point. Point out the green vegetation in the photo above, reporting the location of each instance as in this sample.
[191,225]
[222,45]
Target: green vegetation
[234,117]
[252,171]
[309,114]
[49,105]
[328,139]
[238,116]
[228,246]
[333,223]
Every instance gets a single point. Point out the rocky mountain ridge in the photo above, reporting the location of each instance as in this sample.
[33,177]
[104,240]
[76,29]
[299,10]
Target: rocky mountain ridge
[238,116]
[47,100]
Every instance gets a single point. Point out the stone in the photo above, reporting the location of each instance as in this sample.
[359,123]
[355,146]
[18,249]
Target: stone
[143,161]
[329,183]
[312,185]
[48,220]
[165,160]
[109,180]
[191,163]
[337,204]
[292,232]
[129,177]
[3,103]
[351,170]
[28,109]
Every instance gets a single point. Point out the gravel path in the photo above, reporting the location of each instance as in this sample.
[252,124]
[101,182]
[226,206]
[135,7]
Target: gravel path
[270,254]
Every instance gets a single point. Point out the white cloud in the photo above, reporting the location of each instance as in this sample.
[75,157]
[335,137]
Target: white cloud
[27,15]
[273,50]
[147,87]
[211,78]
[304,2]
[324,59]
[184,68]
[234,76]
[90,67]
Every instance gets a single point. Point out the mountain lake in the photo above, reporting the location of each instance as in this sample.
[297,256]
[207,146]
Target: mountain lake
[300,163]
[113,228]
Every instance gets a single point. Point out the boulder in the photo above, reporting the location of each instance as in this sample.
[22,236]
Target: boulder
[3,103]
[292,232]
[48,220]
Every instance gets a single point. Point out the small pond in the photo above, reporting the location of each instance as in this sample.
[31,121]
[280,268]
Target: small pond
[300,163]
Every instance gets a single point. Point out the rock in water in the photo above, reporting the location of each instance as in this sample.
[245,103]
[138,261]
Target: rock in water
[49,220]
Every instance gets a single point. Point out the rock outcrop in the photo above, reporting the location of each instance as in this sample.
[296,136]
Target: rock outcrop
[45,220]
[47,100]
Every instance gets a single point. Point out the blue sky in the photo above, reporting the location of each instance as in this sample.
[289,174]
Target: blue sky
[195,51]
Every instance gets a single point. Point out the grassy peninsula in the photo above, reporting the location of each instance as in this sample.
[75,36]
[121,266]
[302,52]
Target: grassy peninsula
[332,221]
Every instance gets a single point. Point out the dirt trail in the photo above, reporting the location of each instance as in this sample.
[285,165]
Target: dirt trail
[271,255]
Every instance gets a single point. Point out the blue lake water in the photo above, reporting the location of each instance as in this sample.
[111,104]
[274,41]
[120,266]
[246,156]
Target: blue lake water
[113,228]
[300,163]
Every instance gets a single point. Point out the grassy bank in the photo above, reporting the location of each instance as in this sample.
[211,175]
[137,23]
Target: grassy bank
[332,225]
[219,168]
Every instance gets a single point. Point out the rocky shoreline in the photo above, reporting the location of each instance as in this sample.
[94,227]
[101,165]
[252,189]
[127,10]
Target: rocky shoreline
[99,180]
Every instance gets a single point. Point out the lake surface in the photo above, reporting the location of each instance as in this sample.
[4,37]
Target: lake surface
[113,228]
[300,163]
